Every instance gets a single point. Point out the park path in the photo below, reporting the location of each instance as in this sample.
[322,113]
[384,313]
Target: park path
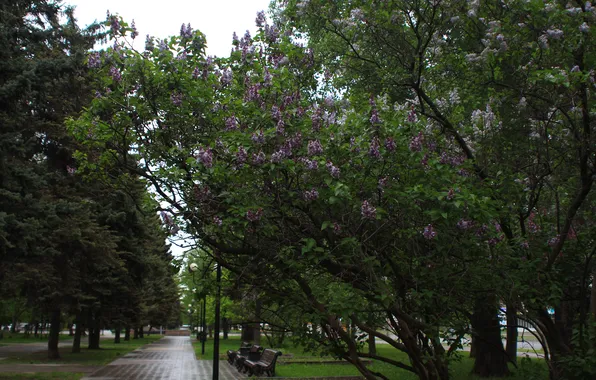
[170,358]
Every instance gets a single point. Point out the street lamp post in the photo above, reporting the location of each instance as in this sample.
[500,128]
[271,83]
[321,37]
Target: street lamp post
[193,268]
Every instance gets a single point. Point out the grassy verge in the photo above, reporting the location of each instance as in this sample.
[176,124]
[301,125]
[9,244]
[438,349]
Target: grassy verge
[41,376]
[20,338]
[460,370]
[108,352]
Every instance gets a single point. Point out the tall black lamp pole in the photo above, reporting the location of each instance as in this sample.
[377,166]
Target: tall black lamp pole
[216,337]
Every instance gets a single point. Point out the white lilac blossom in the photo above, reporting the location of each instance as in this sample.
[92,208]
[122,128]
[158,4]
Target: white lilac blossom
[368,211]
[277,157]
[464,224]
[555,34]
[584,28]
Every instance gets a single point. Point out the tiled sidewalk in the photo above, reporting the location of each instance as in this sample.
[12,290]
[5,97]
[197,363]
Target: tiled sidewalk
[170,358]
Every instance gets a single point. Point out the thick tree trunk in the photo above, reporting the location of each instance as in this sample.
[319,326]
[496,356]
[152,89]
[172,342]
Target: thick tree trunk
[117,334]
[36,329]
[473,347]
[225,327]
[491,359]
[135,333]
[127,333]
[141,332]
[54,338]
[511,348]
[94,337]
[593,296]
[257,325]
[247,334]
[372,345]
[76,342]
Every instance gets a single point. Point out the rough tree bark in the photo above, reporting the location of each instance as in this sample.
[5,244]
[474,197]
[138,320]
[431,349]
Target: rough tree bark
[511,348]
[54,338]
[117,333]
[76,342]
[491,359]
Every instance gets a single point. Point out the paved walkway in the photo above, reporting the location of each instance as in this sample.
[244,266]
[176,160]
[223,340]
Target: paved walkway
[170,358]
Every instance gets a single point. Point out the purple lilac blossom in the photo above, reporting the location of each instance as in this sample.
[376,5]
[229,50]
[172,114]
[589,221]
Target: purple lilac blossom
[314,148]
[311,195]
[94,60]
[390,144]
[368,211]
[374,149]
[115,73]
[429,233]
[176,99]
[258,159]
[260,20]
[254,216]
[134,33]
[333,170]
[416,142]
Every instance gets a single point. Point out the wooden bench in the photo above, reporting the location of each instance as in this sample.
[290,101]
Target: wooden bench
[242,351]
[253,354]
[266,364]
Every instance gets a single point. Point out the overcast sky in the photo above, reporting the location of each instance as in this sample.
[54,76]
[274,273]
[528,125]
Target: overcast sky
[217,19]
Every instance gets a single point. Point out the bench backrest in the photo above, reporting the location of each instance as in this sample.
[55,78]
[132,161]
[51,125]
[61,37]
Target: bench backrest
[269,356]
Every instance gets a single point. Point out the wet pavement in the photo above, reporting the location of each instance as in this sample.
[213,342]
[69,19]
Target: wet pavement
[170,358]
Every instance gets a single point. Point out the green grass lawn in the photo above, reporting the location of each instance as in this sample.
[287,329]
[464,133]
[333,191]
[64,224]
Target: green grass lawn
[41,376]
[534,369]
[19,338]
[108,352]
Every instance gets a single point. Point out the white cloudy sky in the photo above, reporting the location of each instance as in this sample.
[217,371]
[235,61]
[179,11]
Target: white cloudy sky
[217,19]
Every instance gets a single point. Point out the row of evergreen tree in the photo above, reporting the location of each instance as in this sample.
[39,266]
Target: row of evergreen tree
[89,252]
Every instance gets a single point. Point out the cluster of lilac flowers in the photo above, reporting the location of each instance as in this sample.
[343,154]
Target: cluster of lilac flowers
[226,77]
[333,170]
[176,99]
[368,211]
[114,24]
[205,157]
[258,159]
[134,32]
[314,148]
[280,128]
[254,216]
[311,195]
[241,156]
[260,20]
[412,117]
[217,221]
[115,74]
[553,241]
[94,60]
[464,224]
[231,123]
[374,117]
[450,194]
[310,164]
[429,233]
[452,160]
[71,170]
[374,149]
[258,138]
[196,73]
[186,31]
[336,228]
[390,144]
[172,227]
[416,142]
